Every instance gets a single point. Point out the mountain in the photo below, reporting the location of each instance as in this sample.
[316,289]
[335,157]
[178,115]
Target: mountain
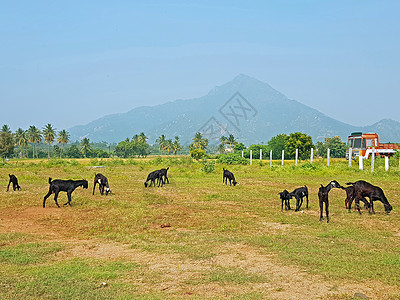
[249,109]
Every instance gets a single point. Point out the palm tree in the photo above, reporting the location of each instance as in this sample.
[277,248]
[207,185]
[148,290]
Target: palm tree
[176,145]
[231,141]
[5,129]
[20,139]
[221,147]
[161,141]
[49,134]
[168,145]
[199,142]
[142,138]
[63,138]
[34,136]
[85,146]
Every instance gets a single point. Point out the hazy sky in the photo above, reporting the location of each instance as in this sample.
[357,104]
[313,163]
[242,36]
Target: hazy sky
[70,62]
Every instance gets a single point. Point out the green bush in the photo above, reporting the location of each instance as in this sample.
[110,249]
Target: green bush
[198,153]
[232,159]
[208,167]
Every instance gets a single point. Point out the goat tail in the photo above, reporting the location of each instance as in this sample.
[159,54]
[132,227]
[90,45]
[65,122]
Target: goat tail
[50,179]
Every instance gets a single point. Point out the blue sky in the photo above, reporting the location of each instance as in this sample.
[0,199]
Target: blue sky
[68,63]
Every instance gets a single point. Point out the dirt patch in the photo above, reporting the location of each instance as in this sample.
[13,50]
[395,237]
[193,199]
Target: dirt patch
[187,277]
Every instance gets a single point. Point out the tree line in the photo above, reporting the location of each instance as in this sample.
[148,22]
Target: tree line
[138,145]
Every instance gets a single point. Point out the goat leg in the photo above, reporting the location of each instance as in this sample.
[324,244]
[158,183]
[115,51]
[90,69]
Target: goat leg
[372,206]
[327,211]
[357,202]
[55,198]
[69,199]
[45,198]
[321,209]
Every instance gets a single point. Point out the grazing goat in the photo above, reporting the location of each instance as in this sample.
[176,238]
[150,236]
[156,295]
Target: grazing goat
[285,197]
[299,193]
[364,189]
[14,181]
[228,175]
[323,198]
[164,175]
[153,176]
[68,186]
[350,195]
[103,184]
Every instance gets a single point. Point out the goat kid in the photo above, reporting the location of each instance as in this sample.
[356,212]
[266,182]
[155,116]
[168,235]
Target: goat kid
[164,175]
[350,195]
[103,184]
[323,193]
[364,189]
[299,194]
[152,177]
[58,185]
[227,175]
[285,197]
[14,181]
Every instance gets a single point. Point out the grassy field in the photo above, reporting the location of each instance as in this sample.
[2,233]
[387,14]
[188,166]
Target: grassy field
[195,237]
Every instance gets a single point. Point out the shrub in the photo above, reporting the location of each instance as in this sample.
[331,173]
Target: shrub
[208,167]
[198,153]
[232,159]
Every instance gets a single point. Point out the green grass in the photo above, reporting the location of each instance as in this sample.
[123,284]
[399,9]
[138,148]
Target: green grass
[204,216]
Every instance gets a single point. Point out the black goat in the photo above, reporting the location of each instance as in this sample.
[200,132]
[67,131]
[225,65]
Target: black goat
[228,175]
[285,197]
[103,184]
[299,194]
[350,195]
[153,176]
[323,198]
[14,181]
[68,186]
[164,175]
[364,189]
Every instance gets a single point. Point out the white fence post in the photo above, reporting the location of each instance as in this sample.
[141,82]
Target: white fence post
[260,154]
[297,157]
[360,162]
[312,155]
[373,160]
[270,159]
[283,156]
[350,155]
[251,157]
[328,156]
[242,153]
[386,163]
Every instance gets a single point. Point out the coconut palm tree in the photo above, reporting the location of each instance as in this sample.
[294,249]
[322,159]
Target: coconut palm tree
[168,145]
[231,141]
[85,146]
[221,147]
[161,142]
[21,139]
[5,129]
[142,138]
[49,134]
[199,142]
[34,136]
[63,138]
[176,145]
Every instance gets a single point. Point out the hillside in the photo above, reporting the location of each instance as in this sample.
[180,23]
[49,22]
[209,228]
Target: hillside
[249,109]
